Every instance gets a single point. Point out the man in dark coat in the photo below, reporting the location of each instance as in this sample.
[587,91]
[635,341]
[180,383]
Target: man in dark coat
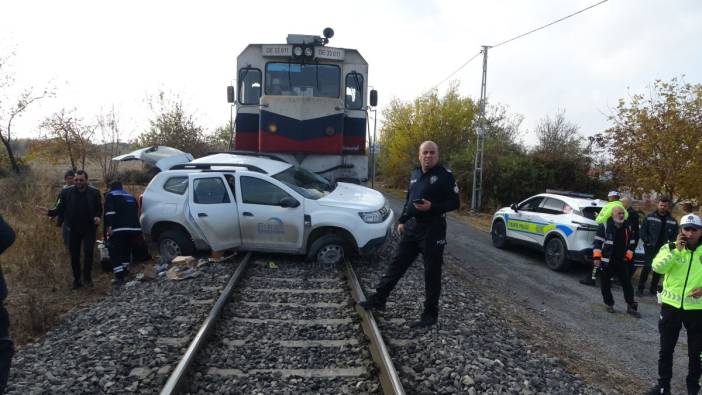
[80,207]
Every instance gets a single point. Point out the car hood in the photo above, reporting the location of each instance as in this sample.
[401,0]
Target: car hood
[159,155]
[353,196]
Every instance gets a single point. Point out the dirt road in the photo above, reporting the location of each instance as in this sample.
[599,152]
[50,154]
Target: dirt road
[616,352]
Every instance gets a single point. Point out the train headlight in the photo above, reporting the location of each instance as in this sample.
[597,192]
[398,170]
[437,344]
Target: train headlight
[309,52]
[297,51]
[272,128]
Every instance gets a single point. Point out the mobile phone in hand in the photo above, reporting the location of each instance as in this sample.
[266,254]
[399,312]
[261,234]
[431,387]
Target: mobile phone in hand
[418,201]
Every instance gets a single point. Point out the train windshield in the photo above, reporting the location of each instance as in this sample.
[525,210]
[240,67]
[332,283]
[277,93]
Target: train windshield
[293,79]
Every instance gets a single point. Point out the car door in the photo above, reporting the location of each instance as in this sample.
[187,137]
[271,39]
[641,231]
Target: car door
[213,209]
[520,224]
[265,224]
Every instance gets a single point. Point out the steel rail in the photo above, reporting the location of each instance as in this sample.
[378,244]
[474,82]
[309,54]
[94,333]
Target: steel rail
[177,378]
[389,379]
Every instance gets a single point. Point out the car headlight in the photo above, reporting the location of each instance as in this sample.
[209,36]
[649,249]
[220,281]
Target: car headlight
[375,217]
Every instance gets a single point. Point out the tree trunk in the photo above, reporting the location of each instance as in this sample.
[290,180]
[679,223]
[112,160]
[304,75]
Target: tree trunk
[11,155]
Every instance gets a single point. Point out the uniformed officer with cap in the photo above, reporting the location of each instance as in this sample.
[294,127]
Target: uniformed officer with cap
[681,263]
[422,228]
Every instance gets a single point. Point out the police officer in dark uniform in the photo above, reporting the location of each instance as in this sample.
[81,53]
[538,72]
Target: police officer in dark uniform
[122,227]
[422,228]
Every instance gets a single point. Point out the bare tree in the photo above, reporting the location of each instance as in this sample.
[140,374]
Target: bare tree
[109,134]
[11,108]
[558,138]
[73,133]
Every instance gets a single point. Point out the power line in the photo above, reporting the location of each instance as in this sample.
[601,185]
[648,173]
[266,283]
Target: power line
[514,38]
[457,70]
[549,24]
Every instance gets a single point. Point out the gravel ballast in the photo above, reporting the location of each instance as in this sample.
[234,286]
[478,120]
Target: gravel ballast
[472,350]
[130,341]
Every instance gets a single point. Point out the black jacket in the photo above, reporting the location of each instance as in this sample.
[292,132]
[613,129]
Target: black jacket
[651,229]
[605,236]
[634,224]
[69,204]
[7,235]
[121,212]
[438,186]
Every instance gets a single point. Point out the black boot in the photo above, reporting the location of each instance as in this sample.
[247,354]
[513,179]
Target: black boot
[424,322]
[693,386]
[373,302]
[632,310]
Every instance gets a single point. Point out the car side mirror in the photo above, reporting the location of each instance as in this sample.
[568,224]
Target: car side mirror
[513,206]
[288,202]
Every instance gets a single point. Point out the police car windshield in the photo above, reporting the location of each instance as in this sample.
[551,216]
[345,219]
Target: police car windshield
[306,183]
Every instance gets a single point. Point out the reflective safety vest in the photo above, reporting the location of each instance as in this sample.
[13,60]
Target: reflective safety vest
[683,273]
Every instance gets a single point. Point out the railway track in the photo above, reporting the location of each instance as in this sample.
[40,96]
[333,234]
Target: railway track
[293,328]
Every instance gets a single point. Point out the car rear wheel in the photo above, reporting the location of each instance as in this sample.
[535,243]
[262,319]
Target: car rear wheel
[499,234]
[555,254]
[328,250]
[173,243]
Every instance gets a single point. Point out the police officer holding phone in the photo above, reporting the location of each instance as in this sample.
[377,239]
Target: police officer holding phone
[681,263]
[422,229]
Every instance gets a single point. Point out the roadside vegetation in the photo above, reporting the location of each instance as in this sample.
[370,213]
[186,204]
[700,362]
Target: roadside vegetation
[648,151]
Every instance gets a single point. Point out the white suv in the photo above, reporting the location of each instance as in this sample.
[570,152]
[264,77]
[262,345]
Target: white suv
[562,224]
[256,202]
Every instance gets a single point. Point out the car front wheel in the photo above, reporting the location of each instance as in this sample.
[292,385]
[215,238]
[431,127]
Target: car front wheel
[328,250]
[173,243]
[555,253]
[499,234]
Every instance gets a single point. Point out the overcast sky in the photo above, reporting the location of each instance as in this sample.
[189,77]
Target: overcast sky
[101,54]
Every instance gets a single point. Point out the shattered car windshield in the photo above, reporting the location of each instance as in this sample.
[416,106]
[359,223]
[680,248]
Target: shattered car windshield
[306,183]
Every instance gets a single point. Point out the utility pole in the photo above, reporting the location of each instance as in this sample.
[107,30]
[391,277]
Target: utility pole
[480,141]
[375,146]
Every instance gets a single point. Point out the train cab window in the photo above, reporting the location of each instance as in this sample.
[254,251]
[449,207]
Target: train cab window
[249,85]
[354,91]
[293,79]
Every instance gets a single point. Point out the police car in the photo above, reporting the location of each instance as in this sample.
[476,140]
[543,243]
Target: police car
[256,202]
[562,224]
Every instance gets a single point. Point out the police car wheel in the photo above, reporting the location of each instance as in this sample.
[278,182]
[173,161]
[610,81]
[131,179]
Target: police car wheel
[499,234]
[328,250]
[173,243]
[555,254]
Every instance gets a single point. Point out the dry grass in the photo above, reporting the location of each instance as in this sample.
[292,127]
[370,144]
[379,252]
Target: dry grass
[37,266]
